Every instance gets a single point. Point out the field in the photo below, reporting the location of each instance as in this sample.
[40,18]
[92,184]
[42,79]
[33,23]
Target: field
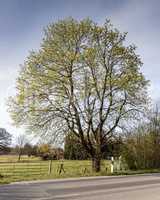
[14,158]
[34,169]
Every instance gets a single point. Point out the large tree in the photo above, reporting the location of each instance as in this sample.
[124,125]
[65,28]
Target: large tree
[84,79]
[5,139]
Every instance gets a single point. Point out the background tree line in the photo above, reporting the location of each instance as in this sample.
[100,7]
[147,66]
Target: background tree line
[44,151]
[141,148]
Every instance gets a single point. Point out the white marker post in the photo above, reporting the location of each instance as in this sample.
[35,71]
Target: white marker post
[112,165]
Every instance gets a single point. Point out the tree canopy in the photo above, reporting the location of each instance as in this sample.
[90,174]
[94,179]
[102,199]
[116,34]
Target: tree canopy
[84,79]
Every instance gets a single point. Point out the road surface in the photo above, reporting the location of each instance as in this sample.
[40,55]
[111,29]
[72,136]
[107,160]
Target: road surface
[142,187]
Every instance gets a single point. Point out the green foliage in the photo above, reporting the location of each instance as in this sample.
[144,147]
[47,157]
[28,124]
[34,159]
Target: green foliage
[30,150]
[112,148]
[142,147]
[74,150]
[47,152]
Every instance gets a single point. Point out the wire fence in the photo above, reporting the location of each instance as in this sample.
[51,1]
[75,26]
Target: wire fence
[41,168]
[51,168]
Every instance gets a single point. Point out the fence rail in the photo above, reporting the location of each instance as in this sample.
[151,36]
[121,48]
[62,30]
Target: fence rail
[24,168]
[52,168]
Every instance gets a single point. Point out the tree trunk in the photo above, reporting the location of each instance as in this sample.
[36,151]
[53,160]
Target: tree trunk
[96,159]
[19,155]
[96,164]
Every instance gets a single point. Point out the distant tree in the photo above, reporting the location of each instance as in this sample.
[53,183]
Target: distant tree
[5,139]
[35,150]
[59,152]
[21,140]
[47,152]
[44,151]
[44,148]
[84,80]
[28,149]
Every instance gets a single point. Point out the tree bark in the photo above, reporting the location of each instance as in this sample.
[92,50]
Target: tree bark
[19,155]
[96,164]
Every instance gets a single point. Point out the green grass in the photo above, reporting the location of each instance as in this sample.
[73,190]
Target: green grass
[14,158]
[136,172]
[35,169]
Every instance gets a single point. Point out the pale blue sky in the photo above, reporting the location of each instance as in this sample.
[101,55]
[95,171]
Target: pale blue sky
[21,30]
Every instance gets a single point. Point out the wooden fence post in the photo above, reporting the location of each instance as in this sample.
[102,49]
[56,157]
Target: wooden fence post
[61,169]
[50,167]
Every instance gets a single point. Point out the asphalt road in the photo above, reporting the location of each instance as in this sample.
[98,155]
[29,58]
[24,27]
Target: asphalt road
[143,187]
